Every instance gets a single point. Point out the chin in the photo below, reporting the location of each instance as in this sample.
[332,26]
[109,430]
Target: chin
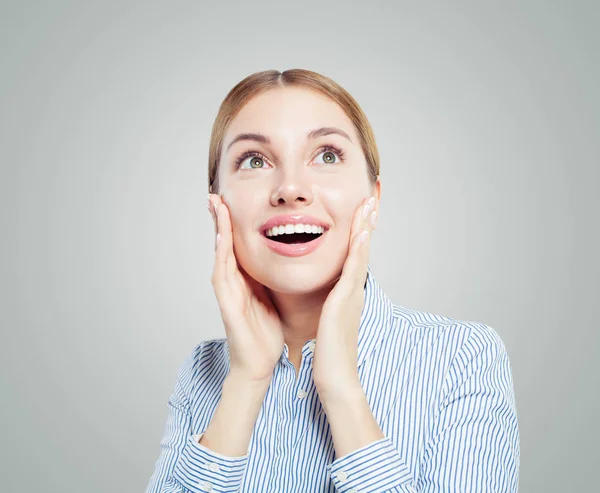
[300,279]
[295,277]
[303,274]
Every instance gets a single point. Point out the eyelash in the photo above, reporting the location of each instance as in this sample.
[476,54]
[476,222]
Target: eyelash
[325,148]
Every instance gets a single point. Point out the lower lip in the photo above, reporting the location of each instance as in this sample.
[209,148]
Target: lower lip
[294,249]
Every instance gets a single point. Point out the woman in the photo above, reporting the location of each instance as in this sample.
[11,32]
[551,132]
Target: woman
[322,383]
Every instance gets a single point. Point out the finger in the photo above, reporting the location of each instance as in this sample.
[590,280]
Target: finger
[357,224]
[364,242]
[209,204]
[369,216]
[213,200]
[211,211]
[355,266]
[359,217]
[219,278]
[225,258]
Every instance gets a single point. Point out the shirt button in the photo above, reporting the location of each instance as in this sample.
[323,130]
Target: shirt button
[206,487]
[311,346]
[353,491]
[301,393]
[342,476]
[214,467]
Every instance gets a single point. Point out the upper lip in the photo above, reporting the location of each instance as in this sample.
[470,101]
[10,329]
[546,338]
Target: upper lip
[292,219]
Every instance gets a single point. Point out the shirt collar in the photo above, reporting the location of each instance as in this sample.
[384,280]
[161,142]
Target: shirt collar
[375,317]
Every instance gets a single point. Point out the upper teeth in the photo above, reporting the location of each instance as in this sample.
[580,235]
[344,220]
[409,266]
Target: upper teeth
[288,229]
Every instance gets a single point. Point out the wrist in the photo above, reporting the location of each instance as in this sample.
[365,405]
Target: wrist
[343,393]
[238,383]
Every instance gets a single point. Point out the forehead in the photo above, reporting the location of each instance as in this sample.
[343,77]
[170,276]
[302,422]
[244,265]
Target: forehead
[289,113]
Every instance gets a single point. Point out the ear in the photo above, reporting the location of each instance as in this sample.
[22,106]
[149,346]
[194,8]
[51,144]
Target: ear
[377,189]
[376,192]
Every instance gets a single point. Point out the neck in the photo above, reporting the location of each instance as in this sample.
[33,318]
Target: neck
[300,314]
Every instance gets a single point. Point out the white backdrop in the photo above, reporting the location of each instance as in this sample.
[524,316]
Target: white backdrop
[487,120]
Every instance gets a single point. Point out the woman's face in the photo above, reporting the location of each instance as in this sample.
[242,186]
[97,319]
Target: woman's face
[292,177]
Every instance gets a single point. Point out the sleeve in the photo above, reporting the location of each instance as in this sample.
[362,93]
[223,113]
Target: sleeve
[475,441]
[185,466]
[374,468]
[474,446]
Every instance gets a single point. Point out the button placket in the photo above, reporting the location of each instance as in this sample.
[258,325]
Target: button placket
[302,391]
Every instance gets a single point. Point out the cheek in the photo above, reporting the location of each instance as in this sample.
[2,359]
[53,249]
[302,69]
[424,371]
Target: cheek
[342,201]
[241,205]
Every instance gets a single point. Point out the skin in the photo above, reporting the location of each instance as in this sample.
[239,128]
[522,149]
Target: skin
[293,178]
[265,298]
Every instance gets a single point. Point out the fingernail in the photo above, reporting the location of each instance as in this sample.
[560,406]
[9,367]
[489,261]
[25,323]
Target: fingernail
[363,236]
[373,218]
[371,202]
[218,238]
[216,208]
[365,211]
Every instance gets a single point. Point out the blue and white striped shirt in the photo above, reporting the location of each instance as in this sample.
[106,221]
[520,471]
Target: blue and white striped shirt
[440,389]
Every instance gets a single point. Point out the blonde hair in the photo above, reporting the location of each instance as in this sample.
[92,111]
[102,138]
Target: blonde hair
[271,79]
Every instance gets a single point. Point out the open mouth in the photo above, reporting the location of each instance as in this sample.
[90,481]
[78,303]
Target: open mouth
[294,238]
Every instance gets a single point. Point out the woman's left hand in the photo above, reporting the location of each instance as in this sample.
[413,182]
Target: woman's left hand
[336,351]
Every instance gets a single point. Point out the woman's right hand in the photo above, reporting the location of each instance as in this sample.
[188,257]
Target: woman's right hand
[252,324]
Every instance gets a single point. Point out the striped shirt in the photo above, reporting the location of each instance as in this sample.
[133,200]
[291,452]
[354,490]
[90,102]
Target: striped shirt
[440,389]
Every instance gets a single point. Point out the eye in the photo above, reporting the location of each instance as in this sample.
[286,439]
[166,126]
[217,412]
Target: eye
[253,159]
[331,155]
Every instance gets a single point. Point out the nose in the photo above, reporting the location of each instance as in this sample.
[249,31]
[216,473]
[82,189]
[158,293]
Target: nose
[292,189]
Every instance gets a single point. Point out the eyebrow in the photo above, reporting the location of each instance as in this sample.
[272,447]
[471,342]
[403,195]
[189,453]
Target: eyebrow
[313,134]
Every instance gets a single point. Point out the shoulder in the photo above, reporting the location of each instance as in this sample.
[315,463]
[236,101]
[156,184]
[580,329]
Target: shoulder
[451,336]
[206,365]
[459,352]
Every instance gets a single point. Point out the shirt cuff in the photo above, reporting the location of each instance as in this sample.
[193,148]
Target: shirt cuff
[200,469]
[374,468]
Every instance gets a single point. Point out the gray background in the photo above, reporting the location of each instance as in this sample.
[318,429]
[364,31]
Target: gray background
[487,117]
